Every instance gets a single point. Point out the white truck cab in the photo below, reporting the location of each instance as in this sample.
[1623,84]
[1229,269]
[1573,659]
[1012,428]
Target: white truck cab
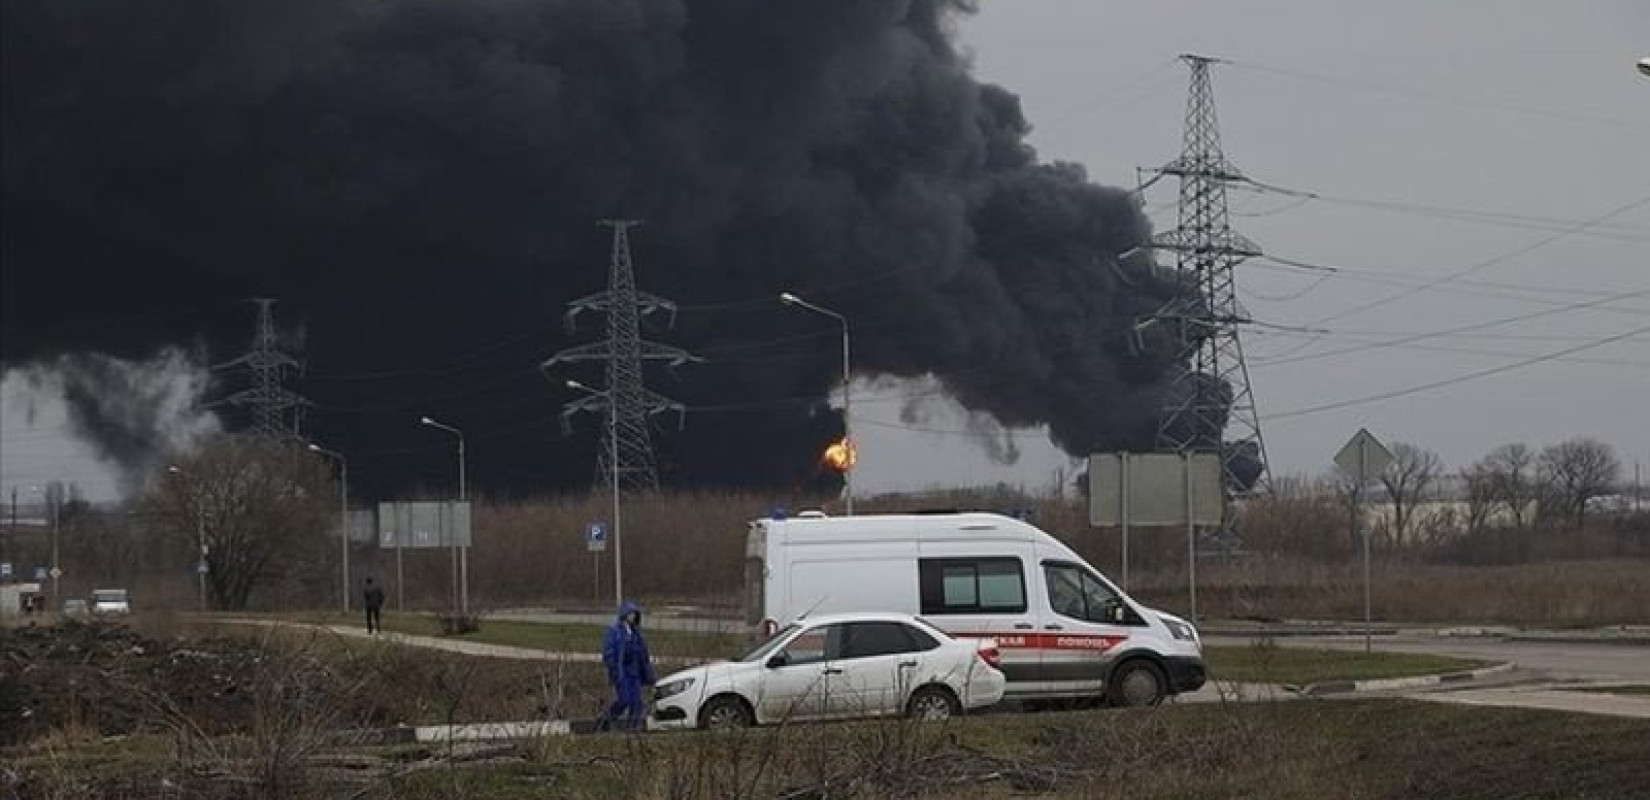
[1065,631]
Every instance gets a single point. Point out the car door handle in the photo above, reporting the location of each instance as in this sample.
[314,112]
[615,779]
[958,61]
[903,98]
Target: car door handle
[832,671]
[1023,626]
[1053,628]
[907,664]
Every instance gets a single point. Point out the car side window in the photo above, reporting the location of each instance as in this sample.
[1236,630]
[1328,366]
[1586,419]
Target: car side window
[871,639]
[807,648]
[920,640]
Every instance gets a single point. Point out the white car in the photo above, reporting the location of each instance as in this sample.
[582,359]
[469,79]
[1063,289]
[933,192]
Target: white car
[836,667]
[111,601]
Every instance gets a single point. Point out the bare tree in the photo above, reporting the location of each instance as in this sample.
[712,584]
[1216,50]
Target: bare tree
[1574,472]
[247,501]
[1479,482]
[1409,481]
[1510,473]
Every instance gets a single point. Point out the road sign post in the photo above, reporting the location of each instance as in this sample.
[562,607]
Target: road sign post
[1362,458]
[1158,490]
[595,540]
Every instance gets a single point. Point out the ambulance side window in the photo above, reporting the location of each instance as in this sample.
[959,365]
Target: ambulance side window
[971,585]
[1073,592]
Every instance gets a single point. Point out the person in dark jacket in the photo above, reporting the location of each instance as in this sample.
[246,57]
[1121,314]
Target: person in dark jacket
[629,668]
[372,598]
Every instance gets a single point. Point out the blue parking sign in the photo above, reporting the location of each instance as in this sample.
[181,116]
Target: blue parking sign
[595,537]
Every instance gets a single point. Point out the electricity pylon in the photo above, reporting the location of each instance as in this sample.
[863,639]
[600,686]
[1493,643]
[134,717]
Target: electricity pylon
[1210,407]
[626,402]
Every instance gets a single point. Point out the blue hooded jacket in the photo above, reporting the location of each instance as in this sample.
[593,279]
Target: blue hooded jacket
[624,651]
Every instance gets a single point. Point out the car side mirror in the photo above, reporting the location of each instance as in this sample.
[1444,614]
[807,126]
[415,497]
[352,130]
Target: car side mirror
[776,660]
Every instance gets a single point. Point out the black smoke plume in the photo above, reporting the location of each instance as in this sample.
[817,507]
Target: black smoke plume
[418,182]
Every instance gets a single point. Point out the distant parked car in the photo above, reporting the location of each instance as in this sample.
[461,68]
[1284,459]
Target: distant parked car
[110,601]
[836,667]
[75,607]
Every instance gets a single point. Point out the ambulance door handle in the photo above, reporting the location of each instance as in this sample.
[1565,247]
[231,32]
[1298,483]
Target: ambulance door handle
[832,671]
[1022,626]
[1053,628]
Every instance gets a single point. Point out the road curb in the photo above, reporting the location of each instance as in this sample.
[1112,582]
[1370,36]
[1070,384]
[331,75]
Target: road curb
[1618,641]
[1324,688]
[469,732]
[1290,633]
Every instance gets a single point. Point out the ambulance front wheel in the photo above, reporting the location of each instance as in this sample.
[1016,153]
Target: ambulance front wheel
[1137,682]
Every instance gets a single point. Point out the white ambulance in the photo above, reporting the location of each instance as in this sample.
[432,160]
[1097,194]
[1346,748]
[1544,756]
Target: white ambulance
[1065,631]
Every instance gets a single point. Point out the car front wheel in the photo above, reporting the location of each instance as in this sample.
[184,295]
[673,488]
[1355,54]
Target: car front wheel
[725,714]
[1136,683]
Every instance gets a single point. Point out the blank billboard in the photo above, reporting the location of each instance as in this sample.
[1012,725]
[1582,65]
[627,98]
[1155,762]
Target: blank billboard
[1157,489]
[424,524]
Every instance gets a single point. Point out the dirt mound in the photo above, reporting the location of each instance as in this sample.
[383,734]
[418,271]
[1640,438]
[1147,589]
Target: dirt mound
[115,680]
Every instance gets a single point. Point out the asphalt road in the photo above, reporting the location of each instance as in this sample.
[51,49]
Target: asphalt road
[1548,674]
[1557,661]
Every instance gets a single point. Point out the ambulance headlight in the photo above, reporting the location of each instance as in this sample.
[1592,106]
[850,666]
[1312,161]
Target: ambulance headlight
[674,687]
[1180,630]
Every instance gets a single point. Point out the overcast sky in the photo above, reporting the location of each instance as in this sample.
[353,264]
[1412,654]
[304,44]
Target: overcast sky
[1529,111]
[1433,119]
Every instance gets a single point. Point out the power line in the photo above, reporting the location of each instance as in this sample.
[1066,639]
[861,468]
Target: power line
[1485,263]
[1450,331]
[1441,97]
[1471,376]
[1260,363]
[1504,219]
[1526,293]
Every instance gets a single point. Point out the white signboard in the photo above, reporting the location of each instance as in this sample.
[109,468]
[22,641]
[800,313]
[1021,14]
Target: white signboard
[424,524]
[1157,489]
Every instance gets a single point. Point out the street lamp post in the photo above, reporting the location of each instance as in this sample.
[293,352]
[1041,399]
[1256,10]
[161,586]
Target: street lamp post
[52,503]
[200,537]
[613,464]
[847,393]
[460,557]
[343,519]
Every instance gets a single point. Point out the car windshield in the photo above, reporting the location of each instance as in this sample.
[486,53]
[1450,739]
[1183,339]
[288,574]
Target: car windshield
[115,596]
[762,650]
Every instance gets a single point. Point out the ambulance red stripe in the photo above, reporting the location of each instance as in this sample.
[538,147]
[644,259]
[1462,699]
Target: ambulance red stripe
[1047,641]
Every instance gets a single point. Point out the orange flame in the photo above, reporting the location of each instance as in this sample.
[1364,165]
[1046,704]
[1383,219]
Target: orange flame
[841,455]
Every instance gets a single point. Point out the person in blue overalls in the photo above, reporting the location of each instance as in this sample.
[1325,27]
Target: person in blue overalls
[629,668]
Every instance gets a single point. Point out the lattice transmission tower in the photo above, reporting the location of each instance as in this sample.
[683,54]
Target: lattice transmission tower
[276,411]
[626,404]
[1211,407]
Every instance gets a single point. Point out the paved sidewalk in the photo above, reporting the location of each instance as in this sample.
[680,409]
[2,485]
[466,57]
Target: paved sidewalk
[430,642]
[1544,697]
